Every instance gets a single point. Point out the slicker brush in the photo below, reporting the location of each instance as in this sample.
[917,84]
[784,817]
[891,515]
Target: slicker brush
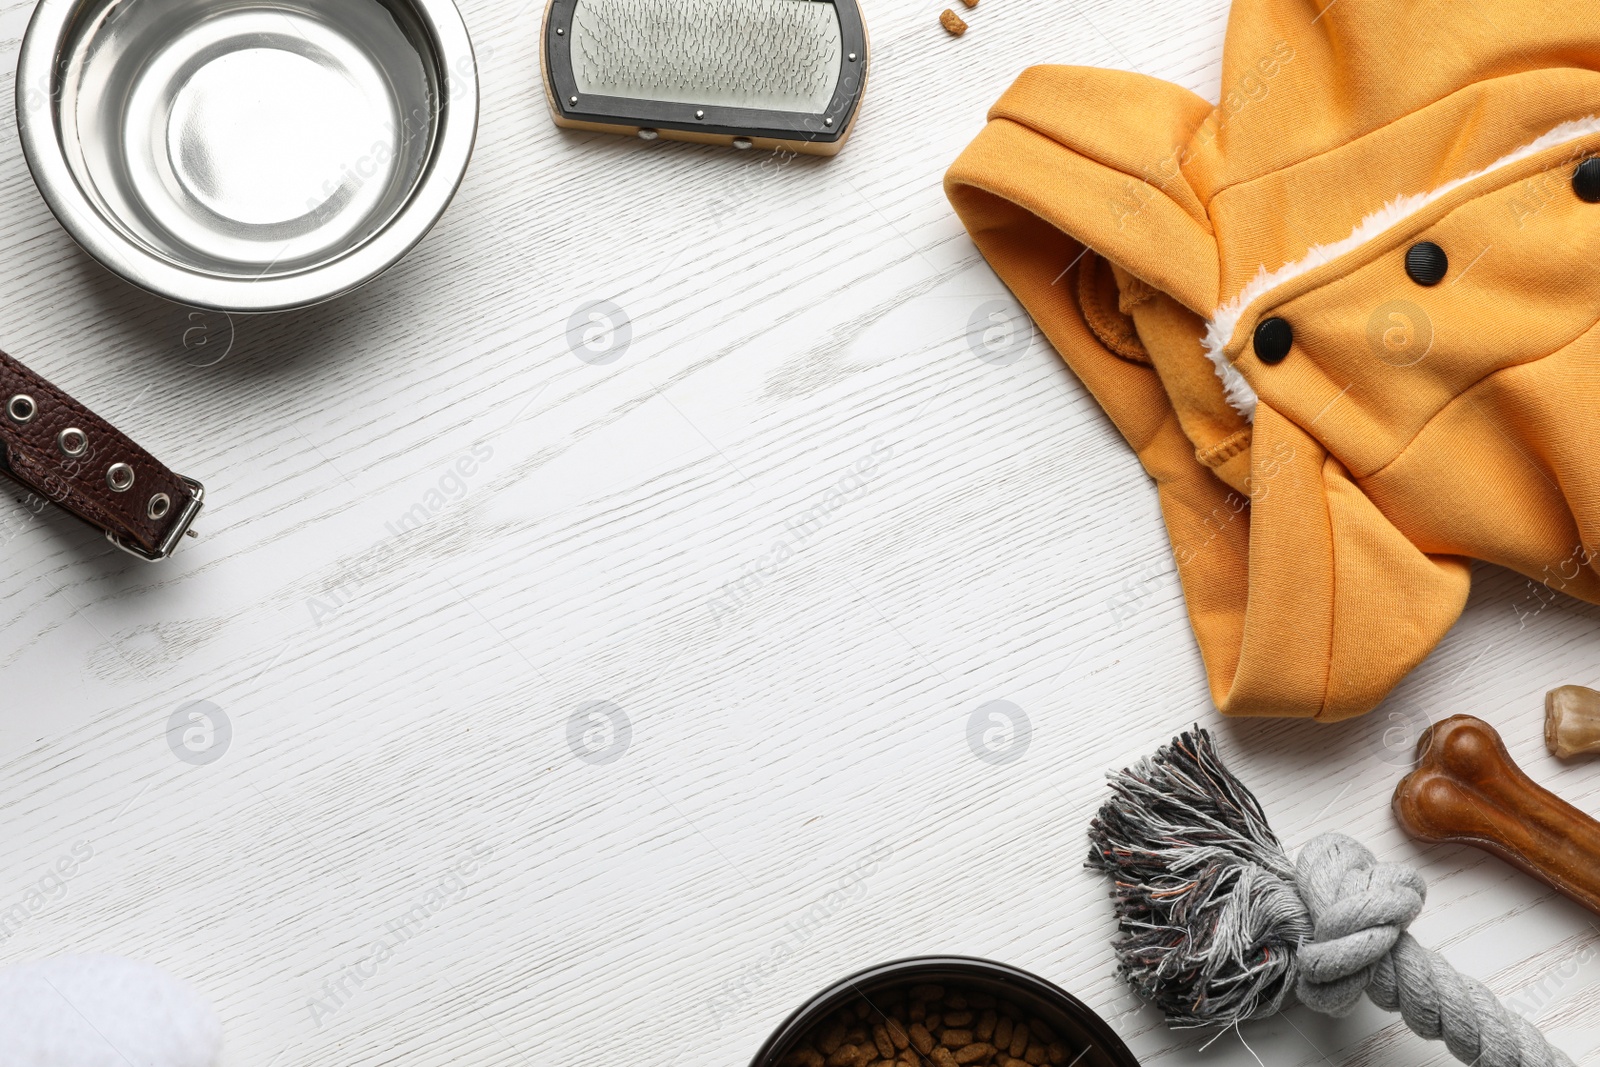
[751,73]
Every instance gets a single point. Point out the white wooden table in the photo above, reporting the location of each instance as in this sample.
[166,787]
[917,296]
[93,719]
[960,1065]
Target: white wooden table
[786,529]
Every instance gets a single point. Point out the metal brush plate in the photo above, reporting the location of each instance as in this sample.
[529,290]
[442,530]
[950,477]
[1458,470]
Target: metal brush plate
[708,119]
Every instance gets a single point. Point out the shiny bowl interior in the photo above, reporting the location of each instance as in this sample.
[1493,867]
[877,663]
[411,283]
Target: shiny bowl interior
[1091,1042]
[249,155]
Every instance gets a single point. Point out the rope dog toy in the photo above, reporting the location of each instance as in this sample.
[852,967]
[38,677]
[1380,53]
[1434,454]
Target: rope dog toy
[1219,926]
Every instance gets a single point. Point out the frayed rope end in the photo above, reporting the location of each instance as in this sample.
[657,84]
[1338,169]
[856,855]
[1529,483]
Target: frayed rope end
[1210,920]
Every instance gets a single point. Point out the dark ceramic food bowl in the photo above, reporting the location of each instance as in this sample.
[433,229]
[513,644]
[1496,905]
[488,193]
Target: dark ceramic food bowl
[1081,1029]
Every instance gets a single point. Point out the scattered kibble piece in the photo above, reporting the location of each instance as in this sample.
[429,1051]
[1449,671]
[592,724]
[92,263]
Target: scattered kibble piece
[952,23]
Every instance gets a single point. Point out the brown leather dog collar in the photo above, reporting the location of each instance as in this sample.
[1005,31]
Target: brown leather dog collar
[67,454]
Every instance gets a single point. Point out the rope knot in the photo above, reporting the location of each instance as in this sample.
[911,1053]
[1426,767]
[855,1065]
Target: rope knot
[1359,908]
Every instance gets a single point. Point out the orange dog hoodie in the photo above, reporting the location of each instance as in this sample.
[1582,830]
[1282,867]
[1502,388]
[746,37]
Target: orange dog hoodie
[1346,318]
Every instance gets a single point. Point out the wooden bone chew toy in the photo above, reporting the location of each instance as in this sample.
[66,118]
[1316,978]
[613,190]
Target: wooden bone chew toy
[1466,790]
[1219,926]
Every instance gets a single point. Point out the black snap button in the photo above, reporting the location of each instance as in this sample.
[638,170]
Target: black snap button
[1274,338]
[1426,263]
[1586,180]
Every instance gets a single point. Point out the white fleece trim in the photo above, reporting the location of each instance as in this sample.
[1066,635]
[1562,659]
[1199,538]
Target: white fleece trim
[1219,331]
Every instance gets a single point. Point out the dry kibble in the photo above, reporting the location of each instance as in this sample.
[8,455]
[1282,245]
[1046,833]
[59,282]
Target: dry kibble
[1019,1040]
[970,3]
[843,1056]
[952,23]
[932,1027]
[880,1038]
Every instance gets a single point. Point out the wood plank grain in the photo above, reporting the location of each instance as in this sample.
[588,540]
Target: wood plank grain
[797,533]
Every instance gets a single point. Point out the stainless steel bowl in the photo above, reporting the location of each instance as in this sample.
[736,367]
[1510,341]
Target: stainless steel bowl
[247,155]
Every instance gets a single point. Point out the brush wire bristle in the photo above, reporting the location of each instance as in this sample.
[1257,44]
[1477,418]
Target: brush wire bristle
[1211,922]
[777,55]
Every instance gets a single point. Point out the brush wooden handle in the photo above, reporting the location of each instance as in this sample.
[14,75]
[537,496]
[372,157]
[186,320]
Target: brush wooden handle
[1467,790]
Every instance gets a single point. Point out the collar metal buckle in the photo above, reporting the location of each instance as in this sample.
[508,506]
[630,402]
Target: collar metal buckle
[169,544]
